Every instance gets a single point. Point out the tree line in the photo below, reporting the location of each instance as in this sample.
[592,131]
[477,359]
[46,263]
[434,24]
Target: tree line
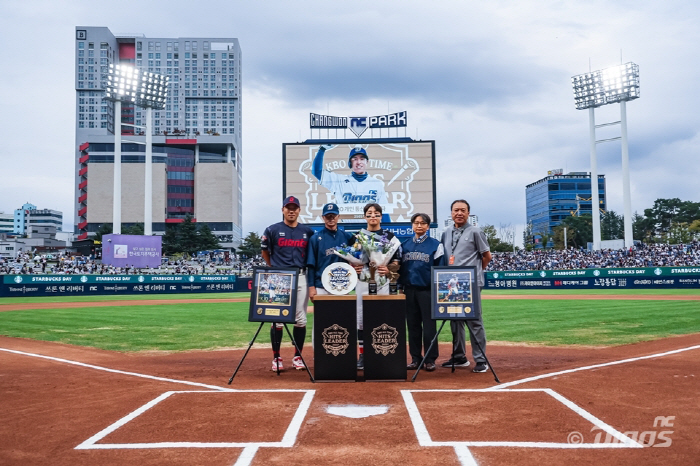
[668,221]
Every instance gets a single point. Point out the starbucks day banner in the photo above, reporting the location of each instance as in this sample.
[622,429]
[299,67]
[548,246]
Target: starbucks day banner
[649,277]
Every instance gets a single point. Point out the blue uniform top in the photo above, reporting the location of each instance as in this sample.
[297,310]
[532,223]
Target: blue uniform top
[321,252]
[287,246]
[418,256]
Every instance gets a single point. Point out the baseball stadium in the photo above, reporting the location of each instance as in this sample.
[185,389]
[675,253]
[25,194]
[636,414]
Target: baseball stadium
[403,325]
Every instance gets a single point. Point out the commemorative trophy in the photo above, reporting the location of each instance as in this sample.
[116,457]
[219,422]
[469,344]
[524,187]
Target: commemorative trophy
[393,278]
[372,284]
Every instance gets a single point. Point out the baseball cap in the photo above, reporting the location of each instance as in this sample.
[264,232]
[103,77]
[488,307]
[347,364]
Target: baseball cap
[355,151]
[291,200]
[330,209]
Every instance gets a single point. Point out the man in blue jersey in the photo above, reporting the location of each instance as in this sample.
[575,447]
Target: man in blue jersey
[352,191]
[418,255]
[284,244]
[321,248]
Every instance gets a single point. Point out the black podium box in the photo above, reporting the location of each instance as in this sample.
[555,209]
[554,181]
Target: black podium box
[384,322]
[335,338]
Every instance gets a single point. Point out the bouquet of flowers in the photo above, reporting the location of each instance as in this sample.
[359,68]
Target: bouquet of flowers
[352,254]
[379,251]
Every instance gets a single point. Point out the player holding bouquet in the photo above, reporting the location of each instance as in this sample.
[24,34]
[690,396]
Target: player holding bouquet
[381,256]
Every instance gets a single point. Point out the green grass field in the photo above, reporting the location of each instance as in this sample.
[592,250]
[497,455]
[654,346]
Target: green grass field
[181,327]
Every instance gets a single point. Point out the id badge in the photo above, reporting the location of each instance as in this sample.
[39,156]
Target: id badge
[452,260]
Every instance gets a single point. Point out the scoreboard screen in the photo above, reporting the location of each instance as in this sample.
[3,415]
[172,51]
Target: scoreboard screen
[398,175]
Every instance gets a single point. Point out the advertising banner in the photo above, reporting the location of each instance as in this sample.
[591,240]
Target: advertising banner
[67,285]
[131,250]
[649,277]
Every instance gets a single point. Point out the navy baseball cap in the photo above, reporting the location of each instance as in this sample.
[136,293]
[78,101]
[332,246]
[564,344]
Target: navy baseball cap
[355,151]
[330,209]
[291,200]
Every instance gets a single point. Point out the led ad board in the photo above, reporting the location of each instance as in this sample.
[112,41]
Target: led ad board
[397,174]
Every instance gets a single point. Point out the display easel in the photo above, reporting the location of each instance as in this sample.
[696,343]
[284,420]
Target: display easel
[434,342]
[278,368]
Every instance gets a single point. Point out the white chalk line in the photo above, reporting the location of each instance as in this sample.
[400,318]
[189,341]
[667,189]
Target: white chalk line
[116,371]
[462,447]
[249,448]
[594,366]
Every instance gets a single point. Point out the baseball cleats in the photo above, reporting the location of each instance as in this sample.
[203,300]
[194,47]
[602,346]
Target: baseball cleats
[457,363]
[429,366]
[361,363]
[277,364]
[298,364]
[481,367]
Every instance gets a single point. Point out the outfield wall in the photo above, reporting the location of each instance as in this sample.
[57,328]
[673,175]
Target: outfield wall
[649,277]
[72,285]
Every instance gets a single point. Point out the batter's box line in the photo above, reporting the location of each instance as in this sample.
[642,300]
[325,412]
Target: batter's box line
[249,448]
[462,447]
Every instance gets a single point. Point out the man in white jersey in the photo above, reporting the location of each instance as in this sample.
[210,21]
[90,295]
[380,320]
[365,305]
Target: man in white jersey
[352,192]
[453,288]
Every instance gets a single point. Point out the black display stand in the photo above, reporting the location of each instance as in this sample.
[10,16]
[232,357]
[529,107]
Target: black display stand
[384,322]
[278,369]
[335,338]
[434,342]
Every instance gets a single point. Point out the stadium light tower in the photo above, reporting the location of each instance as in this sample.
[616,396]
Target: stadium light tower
[595,89]
[149,90]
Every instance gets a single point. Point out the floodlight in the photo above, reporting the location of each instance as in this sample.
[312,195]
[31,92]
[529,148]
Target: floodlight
[123,82]
[615,84]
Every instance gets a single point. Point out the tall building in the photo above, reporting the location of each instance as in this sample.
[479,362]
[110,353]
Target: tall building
[196,138]
[557,196]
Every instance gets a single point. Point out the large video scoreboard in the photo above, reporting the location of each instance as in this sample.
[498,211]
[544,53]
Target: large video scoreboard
[399,175]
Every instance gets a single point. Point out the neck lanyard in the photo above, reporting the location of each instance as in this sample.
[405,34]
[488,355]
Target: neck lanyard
[456,241]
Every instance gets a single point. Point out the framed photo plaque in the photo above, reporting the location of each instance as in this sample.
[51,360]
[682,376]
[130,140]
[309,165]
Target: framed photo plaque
[455,293]
[273,296]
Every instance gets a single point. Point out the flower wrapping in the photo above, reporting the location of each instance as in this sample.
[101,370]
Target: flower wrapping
[352,254]
[378,250]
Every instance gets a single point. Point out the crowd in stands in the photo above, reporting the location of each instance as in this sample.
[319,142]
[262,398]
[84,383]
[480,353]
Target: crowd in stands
[67,264]
[643,255]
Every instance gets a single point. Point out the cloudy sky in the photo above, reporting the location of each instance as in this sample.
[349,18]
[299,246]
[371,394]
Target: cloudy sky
[488,81]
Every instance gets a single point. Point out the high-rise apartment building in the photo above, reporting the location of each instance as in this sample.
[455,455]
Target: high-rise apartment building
[196,137]
[557,196]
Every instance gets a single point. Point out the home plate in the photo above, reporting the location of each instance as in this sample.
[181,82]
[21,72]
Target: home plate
[357,411]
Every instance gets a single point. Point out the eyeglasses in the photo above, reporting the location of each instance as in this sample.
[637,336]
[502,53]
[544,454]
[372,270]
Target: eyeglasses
[420,223]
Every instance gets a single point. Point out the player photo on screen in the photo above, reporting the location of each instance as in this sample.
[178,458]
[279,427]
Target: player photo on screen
[274,288]
[397,176]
